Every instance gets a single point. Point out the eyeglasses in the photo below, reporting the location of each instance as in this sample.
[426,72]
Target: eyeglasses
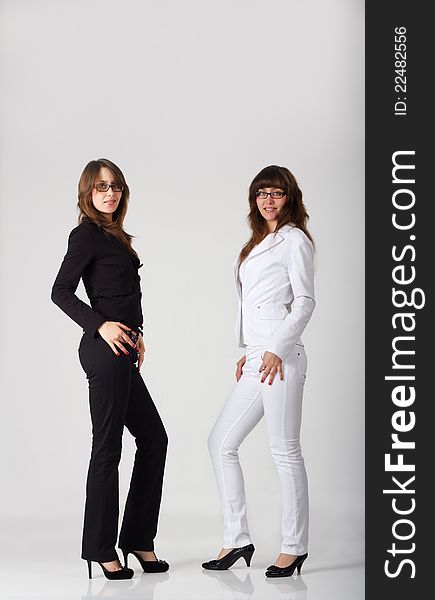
[264,195]
[104,187]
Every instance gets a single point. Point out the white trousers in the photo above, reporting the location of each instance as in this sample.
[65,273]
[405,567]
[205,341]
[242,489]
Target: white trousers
[281,404]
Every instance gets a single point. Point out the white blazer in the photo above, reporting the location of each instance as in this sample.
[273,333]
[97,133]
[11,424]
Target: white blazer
[276,293]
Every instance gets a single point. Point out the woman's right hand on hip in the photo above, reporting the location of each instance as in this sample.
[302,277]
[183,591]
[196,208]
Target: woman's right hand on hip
[239,367]
[112,332]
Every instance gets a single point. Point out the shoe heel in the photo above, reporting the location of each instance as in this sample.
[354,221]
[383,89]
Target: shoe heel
[89,569]
[248,557]
[125,554]
[299,567]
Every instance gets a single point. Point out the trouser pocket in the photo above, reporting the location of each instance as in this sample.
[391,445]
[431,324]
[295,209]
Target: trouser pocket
[302,362]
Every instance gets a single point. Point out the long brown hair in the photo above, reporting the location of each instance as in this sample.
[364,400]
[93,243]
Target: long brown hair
[86,206]
[293,210]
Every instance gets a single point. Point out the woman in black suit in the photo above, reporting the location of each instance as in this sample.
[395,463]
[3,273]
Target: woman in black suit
[100,251]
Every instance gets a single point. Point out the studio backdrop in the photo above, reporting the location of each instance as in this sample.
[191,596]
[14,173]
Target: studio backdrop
[191,99]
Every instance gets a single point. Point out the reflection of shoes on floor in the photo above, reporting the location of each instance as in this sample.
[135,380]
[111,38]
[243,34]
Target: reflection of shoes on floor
[274,571]
[229,580]
[110,589]
[156,579]
[288,585]
[227,561]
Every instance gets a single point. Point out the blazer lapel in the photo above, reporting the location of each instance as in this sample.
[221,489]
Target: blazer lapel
[270,241]
[113,240]
[266,244]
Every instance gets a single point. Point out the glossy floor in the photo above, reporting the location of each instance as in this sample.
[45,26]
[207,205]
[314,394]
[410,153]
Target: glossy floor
[184,581]
[40,559]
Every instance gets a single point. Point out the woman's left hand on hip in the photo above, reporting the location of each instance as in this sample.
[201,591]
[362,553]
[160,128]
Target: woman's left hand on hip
[271,365]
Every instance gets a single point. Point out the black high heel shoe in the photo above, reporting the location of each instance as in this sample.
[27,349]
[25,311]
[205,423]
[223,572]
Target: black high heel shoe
[122,573]
[229,559]
[149,566]
[274,571]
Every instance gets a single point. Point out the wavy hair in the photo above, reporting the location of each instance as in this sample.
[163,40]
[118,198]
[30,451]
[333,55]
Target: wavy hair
[293,211]
[86,206]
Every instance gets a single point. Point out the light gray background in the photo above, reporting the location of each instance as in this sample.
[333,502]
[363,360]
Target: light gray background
[191,99]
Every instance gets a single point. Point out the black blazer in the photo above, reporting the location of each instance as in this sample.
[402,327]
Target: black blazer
[110,276]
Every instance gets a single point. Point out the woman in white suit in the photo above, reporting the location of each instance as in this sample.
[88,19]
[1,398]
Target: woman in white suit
[274,281]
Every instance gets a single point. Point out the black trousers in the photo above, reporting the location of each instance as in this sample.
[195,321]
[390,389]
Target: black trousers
[118,396]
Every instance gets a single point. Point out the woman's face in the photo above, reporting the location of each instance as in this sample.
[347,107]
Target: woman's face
[270,202]
[106,201]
